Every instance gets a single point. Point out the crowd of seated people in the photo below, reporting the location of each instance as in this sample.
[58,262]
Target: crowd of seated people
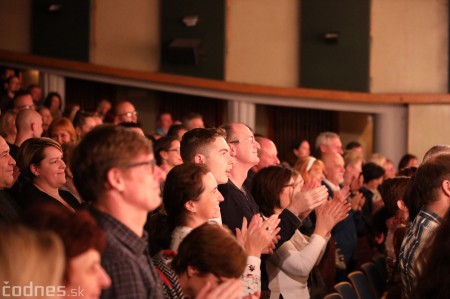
[195,212]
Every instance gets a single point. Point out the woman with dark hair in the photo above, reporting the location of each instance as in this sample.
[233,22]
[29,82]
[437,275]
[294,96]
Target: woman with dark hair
[53,102]
[167,153]
[408,160]
[83,122]
[190,199]
[83,242]
[208,258]
[290,265]
[41,165]
[433,266]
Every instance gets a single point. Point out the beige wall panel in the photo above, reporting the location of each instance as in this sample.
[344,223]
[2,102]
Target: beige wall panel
[263,42]
[409,46]
[428,126]
[15,16]
[125,34]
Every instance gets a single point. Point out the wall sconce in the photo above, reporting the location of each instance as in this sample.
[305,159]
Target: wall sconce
[190,21]
[331,37]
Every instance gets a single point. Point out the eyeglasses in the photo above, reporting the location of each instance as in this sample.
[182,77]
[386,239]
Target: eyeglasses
[250,139]
[174,150]
[150,163]
[129,114]
[26,107]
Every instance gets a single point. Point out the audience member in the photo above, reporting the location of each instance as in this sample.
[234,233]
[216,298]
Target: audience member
[68,149]
[393,192]
[83,242]
[310,168]
[42,168]
[328,142]
[8,126]
[408,160]
[83,122]
[36,94]
[31,261]
[268,156]
[300,149]
[53,102]
[29,125]
[209,261]
[114,169]
[62,130]
[134,127]
[389,169]
[239,203]
[193,121]
[356,147]
[167,153]
[125,112]
[177,131]
[11,86]
[163,123]
[46,119]
[23,101]
[434,278]
[190,199]
[436,151]
[432,185]
[9,209]
[290,265]
[102,108]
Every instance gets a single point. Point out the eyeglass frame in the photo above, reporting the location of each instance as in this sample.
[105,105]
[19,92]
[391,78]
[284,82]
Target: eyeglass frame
[250,139]
[151,163]
[128,114]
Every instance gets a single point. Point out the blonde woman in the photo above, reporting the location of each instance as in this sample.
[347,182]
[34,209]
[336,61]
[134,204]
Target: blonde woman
[30,261]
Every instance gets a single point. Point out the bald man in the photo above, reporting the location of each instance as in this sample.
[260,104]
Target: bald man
[29,125]
[268,156]
[125,112]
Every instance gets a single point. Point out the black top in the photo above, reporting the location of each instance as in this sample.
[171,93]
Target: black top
[127,261]
[9,209]
[240,203]
[31,195]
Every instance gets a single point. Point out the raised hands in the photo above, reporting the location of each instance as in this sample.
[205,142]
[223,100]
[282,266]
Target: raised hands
[308,198]
[259,236]
[329,214]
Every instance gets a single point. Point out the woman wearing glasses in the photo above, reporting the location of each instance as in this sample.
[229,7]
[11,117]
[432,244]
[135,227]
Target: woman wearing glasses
[290,265]
[167,153]
[43,173]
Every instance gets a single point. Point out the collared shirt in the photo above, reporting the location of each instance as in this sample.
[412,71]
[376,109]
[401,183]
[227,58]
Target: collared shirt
[417,236]
[127,261]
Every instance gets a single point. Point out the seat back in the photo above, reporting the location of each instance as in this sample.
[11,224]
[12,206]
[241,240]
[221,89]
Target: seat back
[333,296]
[375,278]
[380,262]
[362,285]
[346,290]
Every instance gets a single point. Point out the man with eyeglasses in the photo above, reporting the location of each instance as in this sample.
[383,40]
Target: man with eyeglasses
[239,202]
[125,112]
[114,170]
[23,101]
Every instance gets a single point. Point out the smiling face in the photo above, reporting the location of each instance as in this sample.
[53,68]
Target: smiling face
[207,205]
[86,273]
[50,172]
[243,145]
[6,165]
[219,160]
[172,156]
[61,135]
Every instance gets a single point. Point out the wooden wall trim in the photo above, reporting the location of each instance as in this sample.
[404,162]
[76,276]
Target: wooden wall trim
[33,61]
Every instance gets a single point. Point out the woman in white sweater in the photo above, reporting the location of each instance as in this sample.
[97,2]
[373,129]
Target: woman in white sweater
[290,265]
